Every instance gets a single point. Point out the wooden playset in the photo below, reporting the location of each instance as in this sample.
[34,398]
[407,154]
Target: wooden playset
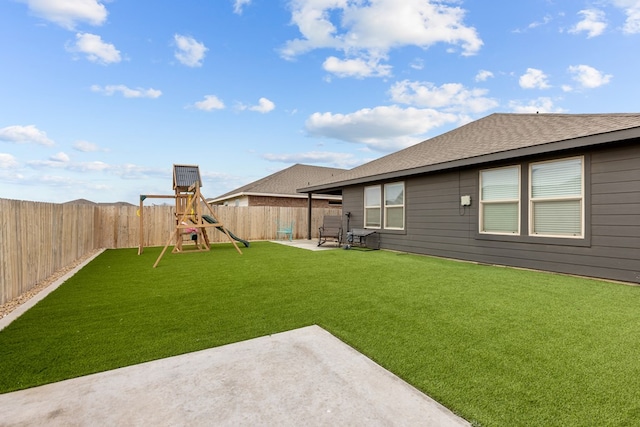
[190,233]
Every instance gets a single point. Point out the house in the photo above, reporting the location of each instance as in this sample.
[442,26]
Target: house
[554,192]
[280,189]
[89,202]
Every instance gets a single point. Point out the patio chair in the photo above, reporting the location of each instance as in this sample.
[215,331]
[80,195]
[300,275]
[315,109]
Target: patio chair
[331,229]
[284,229]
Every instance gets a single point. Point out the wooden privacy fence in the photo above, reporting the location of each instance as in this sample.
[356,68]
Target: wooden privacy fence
[36,239]
[119,226]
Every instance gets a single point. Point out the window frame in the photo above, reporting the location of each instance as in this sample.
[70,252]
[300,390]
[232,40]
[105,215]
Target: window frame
[367,207]
[517,201]
[386,206]
[581,197]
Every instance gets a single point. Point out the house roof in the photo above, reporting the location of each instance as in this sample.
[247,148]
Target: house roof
[89,202]
[185,175]
[492,138]
[284,183]
[80,202]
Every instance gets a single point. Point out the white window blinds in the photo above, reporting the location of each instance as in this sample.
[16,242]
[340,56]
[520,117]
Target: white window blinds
[500,200]
[372,207]
[557,198]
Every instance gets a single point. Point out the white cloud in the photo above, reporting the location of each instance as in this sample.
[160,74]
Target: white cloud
[483,75]
[7,161]
[534,79]
[25,134]
[632,9]
[369,30]
[189,51]
[55,163]
[81,180]
[61,161]
[14,177]
[264,106]
[91,166]
[539,105]
[127,92]
[535,24]
[210,103]
[452,97]
[238,5]
[40,164]
[80,187]
[131,171]
[358,67]
[417,64]
[61,157]
[380,128]
[59,181]
[340,160]
[589,77]
[216,177]
[86,147]
[67,13]
[593,23]
[95,49]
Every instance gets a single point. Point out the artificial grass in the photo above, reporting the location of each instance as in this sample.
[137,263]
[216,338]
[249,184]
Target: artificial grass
[498,346]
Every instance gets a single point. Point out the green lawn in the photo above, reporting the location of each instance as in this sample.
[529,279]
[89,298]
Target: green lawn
[498,346]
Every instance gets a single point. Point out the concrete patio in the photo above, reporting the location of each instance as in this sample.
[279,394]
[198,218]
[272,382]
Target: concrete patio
[300,377]
[311,245]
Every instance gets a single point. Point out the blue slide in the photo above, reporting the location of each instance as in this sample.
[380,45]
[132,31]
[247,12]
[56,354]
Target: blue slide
[212,220]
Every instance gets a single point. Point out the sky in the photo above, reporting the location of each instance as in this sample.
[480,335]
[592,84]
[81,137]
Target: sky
[100,98]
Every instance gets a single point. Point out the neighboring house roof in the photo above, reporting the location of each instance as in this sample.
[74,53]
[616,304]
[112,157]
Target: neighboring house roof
[492,138]
[89,202]
[116,204]
[80,202]
[284,183]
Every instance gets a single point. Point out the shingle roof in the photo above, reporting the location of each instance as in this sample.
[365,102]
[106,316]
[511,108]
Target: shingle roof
[285,182]
[80,202]
[89,202]
[495,137]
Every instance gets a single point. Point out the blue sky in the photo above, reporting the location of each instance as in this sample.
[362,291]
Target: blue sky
[98,99]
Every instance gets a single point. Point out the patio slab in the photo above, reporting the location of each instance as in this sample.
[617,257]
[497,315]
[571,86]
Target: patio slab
[311,245]
[301,377]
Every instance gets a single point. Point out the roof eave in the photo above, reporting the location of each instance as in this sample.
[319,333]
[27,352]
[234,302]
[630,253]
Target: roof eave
[296,196]
[587,141]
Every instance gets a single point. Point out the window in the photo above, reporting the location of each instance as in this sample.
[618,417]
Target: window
[500,200]
[394,206]
[372,211]
[556,196]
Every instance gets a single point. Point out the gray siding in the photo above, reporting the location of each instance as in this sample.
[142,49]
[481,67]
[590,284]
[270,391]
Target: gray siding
[354,196]
[437,225]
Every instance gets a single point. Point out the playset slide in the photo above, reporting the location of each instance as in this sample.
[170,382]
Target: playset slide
[212,220]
